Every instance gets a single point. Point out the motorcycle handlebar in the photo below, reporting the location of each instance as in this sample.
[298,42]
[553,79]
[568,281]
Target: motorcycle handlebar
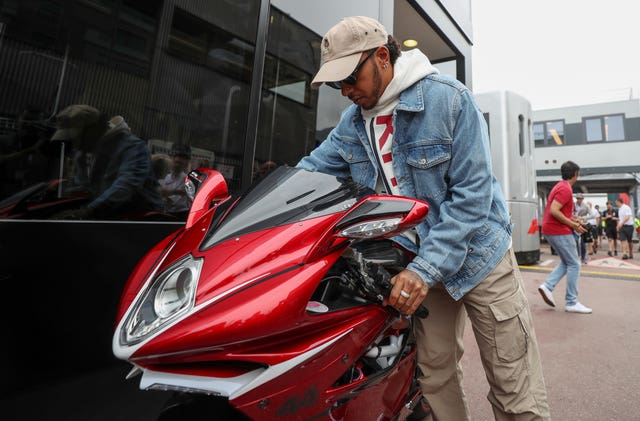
[383,278]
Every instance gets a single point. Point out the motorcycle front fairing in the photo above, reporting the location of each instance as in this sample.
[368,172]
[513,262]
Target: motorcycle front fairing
[222,308]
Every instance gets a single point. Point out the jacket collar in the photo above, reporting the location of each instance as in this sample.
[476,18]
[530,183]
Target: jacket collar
[412,98]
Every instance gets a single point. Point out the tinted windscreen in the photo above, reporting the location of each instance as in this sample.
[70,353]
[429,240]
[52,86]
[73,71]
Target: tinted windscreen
[285,196]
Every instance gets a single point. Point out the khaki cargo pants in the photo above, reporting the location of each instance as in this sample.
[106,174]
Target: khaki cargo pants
[501,321]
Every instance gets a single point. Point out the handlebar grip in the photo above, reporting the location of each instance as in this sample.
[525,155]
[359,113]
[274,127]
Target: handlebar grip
[383,277]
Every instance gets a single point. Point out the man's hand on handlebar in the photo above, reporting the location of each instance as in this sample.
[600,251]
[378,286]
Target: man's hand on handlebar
[409,291]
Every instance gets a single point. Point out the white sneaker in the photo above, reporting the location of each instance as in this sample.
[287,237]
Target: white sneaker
[578,308]
[547,295]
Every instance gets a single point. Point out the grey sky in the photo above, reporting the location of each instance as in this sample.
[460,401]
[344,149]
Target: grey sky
[557,52]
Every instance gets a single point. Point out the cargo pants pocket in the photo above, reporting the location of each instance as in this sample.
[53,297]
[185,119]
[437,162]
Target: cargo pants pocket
[511,336]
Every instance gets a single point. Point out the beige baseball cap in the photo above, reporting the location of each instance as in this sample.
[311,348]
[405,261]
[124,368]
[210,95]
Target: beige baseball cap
[343,45]
[73,119]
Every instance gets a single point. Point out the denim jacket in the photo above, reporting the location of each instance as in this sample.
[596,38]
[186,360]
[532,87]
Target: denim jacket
[122,182]
[440,155]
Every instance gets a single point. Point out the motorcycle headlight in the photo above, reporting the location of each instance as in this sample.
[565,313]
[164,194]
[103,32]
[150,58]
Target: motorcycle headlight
[169,295]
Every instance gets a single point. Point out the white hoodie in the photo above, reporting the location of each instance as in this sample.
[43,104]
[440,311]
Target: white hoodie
[409,68]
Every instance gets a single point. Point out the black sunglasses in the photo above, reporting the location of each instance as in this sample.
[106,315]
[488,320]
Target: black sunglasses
[351,79]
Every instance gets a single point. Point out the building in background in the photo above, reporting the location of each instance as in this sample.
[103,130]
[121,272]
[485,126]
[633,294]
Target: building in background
[603,139]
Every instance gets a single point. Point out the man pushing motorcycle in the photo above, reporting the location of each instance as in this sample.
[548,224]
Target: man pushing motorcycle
[416,133]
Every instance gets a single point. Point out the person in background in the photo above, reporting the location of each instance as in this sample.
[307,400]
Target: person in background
[161,164]
[413,132]
[625,228]
[610,218]
[111,164]
[593,221]
[172,185]
[581,213]
[601,223]
[636,222]
[558,226]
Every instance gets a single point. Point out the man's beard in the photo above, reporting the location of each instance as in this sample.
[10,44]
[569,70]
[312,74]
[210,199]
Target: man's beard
[377,87]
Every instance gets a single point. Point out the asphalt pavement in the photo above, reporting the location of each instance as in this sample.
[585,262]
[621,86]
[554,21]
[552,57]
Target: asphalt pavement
[591,362]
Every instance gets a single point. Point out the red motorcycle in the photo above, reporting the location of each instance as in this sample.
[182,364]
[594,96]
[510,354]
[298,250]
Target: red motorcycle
[269,305]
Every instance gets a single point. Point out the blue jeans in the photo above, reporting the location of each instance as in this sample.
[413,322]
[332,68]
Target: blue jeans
[565,246]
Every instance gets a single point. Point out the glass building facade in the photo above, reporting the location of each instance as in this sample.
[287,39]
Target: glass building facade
[178,72]
[217,78]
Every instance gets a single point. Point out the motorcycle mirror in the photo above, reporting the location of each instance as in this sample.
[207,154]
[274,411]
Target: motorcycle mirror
[382,216]
[203,186]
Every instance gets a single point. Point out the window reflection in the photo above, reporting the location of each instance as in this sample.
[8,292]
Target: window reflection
[555,132]
[549,133]
[614,126]
[187,84]
[288,112]
[202,42]
[538,133]
[606,128]
[593,129]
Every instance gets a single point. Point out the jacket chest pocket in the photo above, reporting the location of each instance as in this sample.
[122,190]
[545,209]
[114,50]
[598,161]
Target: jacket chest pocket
[429,165]
[359,163]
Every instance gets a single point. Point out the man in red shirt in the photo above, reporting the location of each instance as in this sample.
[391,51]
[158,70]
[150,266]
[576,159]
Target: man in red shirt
[558,225]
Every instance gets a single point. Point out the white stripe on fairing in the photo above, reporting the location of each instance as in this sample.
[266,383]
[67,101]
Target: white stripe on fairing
[217,385]
[276,370]
[231,387]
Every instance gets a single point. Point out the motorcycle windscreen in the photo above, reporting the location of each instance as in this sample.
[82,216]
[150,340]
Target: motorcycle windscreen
[287,195]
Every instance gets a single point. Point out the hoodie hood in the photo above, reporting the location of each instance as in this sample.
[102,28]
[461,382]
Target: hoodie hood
[118,125]
[115,128]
